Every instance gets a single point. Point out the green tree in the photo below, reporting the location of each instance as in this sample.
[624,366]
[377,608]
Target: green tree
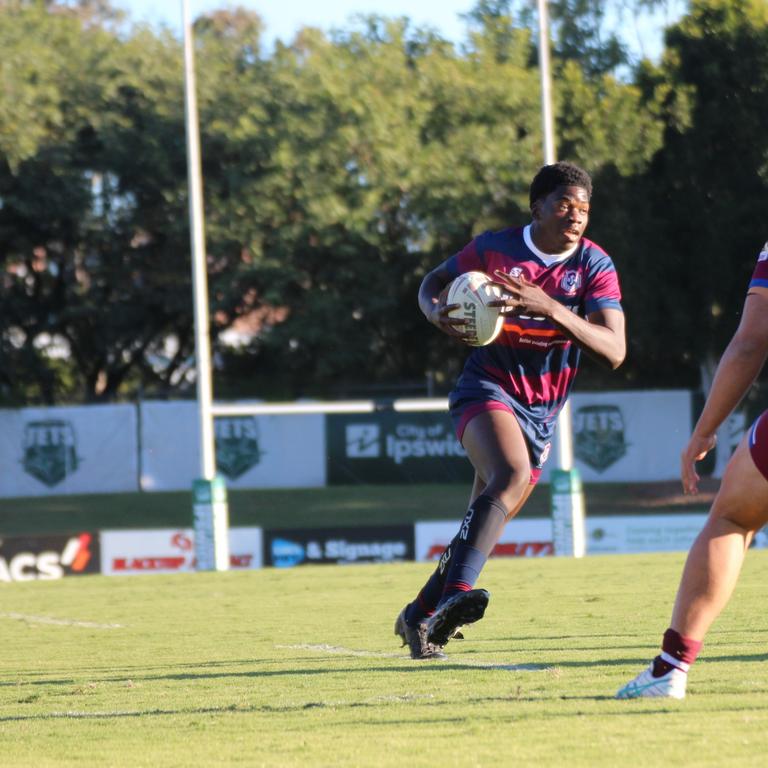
[581,34]
[337,170]
[695,219]
[92,225]
[391,151]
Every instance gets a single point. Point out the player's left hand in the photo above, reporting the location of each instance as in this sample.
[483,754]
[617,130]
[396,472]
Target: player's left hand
[698,447]
[521,297]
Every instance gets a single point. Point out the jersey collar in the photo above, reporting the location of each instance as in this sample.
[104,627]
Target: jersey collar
[548,258]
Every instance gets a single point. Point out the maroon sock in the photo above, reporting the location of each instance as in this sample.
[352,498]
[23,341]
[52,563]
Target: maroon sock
[677,652]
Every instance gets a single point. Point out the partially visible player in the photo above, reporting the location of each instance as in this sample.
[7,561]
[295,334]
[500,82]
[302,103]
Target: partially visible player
[739,510]
[561,295]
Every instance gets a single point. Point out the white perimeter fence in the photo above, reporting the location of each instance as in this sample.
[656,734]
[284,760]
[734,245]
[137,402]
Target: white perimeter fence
[631,436]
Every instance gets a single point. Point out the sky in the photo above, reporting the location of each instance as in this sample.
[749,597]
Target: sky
[285,17]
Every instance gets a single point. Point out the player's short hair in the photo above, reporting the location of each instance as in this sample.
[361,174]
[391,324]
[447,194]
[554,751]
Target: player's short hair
[562,174]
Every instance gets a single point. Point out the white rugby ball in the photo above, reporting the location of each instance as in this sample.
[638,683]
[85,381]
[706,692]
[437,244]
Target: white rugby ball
[472,291]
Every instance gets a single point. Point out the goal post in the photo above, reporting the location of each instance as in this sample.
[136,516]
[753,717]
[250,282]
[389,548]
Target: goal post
[567,494]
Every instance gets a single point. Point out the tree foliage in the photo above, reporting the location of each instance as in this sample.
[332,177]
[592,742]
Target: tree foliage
[696,217]
[340,167]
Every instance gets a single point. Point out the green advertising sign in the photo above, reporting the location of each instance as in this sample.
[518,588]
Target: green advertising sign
[391,447]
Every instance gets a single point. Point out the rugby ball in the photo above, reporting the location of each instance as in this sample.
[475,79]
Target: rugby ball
[472,291]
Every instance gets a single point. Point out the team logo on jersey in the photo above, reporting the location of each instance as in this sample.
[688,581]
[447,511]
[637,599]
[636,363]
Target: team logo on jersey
[571,281]
[50,450]
[237,445]
[516,272]
[599,435]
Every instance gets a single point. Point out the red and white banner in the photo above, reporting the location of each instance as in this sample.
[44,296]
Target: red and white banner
[619,534]
[521,538]
[172,550]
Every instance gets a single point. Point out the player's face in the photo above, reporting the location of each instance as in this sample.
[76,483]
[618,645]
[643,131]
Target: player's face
[561,218]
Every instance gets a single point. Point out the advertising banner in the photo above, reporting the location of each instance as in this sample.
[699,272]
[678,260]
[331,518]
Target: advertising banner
[28,558]
[643,533]
[302,546]
[282,451]
[171,550]
[390,447]
[620,534]
[520,538]
[78,449]
[617,437]
[627,436]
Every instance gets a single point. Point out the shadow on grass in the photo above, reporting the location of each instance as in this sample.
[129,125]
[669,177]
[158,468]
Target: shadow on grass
[231,710]
[216,670]
[409,666]
[757,657]
[622,709]
[644,661]
[127,672]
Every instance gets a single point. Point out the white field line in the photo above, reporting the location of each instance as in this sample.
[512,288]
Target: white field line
[58,622]
[340,650]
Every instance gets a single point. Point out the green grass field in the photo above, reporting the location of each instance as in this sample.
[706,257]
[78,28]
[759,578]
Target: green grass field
[300,667]
[316,507]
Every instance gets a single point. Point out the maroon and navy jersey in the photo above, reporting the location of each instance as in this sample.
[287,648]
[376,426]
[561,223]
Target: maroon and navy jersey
[531,360]
[760,275]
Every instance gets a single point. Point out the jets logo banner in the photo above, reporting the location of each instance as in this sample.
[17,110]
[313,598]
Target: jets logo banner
[264,451]
[627,436]
[67,450]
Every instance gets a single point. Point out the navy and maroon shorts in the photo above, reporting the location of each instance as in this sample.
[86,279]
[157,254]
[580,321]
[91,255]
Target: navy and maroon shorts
[470,398]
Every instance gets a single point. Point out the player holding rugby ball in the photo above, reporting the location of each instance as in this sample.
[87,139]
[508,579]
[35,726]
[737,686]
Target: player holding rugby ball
[560,295]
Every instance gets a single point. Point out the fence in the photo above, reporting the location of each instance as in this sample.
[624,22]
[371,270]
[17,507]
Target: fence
[153,446]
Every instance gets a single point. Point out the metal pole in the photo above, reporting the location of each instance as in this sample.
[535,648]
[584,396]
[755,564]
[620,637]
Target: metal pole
[564,430]
[199,272]
[566,492]
[547,121]
[209,493]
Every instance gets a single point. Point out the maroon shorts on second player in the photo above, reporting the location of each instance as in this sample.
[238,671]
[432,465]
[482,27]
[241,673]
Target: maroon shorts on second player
[758,443]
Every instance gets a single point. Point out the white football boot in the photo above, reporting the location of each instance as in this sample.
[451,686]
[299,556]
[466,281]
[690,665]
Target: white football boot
[645,685]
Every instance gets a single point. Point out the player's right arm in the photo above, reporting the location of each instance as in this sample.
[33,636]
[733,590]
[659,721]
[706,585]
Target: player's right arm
[739,366]
[432,295]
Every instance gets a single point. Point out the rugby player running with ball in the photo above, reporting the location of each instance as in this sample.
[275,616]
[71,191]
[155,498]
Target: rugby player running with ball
[560,294]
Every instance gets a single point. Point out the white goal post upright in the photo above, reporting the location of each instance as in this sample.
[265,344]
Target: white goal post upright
[210,511]
[567,495]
